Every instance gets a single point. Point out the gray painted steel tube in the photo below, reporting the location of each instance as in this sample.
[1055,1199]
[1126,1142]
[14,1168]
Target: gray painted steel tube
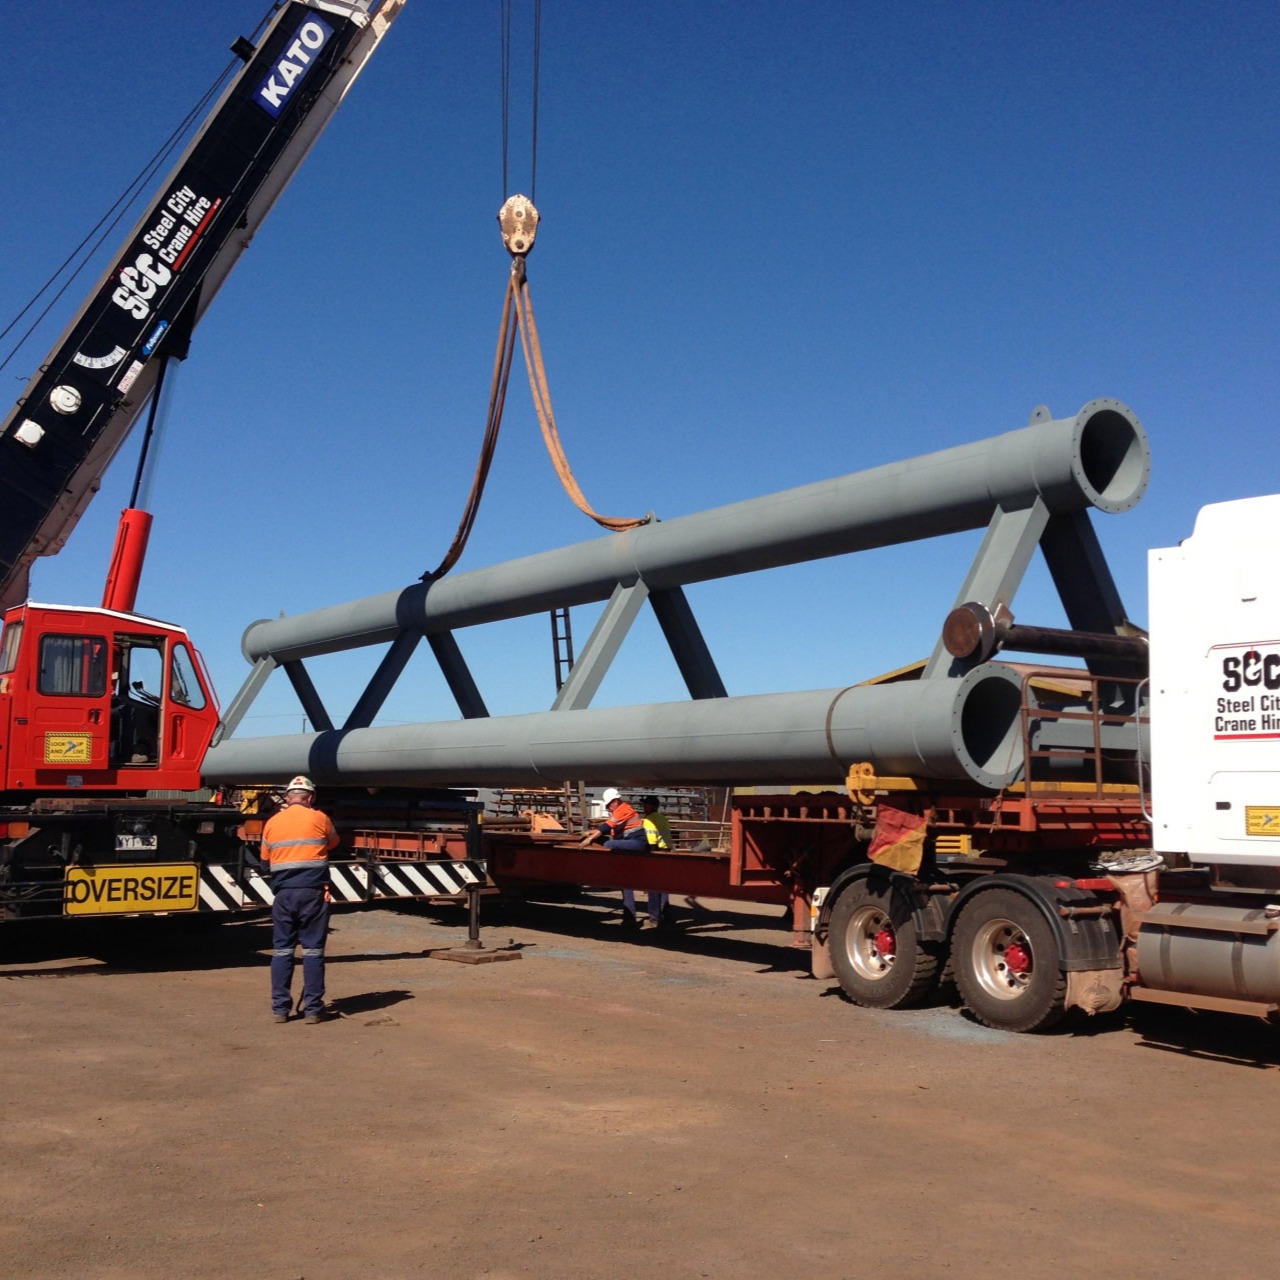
[1098,458]
[945,729]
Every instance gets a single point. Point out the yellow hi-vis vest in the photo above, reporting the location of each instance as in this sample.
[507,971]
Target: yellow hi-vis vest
[658,830]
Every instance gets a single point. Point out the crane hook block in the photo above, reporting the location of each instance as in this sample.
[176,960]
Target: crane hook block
[518,220]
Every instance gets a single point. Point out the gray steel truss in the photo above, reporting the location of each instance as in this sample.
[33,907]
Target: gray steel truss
[1030,487]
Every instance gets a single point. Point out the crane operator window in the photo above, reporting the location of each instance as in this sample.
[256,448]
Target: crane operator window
[73,665]
[9,647]
[184,684]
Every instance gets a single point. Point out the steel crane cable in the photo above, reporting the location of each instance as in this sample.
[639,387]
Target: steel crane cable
[111,219]
[504,8]
[518,219]
[124,201]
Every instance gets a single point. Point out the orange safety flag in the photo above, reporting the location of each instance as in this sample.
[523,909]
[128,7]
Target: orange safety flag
[899,836]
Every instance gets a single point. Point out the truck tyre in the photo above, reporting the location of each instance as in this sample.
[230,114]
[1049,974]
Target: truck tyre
[1007,963]
[876,950]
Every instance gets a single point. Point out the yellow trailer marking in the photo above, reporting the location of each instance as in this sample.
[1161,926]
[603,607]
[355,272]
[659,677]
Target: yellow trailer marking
[117,890]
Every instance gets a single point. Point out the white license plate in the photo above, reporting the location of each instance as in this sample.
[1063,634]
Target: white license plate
[136,844]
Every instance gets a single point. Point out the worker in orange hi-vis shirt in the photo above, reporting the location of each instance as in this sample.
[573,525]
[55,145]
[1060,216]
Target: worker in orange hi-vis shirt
[622,831]
[296,842]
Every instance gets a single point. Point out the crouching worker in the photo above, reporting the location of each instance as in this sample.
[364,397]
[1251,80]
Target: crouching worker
[296,842]
[623,830]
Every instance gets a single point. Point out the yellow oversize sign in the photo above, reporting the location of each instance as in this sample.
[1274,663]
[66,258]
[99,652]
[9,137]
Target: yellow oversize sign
[115,890]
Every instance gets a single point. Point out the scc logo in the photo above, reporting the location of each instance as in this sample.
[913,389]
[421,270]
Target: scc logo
[138,285]
[1249,670]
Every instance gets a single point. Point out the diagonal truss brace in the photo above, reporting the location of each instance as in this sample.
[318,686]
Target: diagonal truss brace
[602,646]
[679,626]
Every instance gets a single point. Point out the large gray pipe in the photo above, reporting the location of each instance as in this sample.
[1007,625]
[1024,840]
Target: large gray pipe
[1098,458]
[946,729]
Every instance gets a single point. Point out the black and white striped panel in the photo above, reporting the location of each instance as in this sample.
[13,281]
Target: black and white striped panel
[445,879]
[222,890]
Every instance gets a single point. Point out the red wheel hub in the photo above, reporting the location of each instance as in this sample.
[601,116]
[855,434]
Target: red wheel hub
[885,942]
[1017,958]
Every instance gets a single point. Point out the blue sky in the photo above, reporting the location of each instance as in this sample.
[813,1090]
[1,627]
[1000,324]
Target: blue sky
[779,243]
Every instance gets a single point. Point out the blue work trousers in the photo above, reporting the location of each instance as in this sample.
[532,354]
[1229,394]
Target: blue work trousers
[299,917]
[637,843]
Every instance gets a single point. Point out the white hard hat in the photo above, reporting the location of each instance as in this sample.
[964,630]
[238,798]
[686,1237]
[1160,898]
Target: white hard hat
[301,783]
[610,794]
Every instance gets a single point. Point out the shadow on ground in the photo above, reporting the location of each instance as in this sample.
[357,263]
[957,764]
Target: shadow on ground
[721,933]
[65,949]
[1218,1037]
[367,1002]
[31,948]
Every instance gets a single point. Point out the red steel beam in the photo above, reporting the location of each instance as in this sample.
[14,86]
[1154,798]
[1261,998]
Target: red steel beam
[513,857]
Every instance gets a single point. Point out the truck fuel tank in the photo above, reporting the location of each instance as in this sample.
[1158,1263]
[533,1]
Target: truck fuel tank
[1222,951]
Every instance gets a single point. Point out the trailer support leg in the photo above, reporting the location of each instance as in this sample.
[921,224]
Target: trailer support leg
[473,918]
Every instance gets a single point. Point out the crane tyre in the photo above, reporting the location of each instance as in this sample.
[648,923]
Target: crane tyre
[875,948]
[1007,963]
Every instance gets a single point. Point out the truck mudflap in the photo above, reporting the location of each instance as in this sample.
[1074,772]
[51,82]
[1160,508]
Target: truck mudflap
[1095,990]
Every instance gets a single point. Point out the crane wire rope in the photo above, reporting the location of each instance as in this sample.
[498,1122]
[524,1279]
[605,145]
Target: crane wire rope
[110,220]
[108,223]
[518,219]
[504,8]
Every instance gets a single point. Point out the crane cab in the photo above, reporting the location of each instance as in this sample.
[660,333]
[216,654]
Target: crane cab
[99,701]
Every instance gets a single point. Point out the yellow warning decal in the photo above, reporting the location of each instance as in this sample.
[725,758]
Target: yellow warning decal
[1261,820]
[115,890]
[68,748]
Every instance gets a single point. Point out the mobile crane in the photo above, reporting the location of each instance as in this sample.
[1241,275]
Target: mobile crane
[102,709]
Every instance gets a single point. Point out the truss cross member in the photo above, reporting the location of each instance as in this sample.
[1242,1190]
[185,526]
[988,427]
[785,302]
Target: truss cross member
[383,681]
[243,700]
[307,695]
[688,646]
[458,675]
[601,647]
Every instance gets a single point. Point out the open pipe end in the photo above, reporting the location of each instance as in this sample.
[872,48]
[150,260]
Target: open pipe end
[1113,457]
[987,727]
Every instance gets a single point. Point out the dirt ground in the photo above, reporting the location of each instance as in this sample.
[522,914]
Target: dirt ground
[680,1103]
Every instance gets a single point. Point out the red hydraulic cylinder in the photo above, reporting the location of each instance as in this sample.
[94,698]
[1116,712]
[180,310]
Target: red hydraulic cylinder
[127,557]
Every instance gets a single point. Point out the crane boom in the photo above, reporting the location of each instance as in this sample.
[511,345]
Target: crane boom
[81,404]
